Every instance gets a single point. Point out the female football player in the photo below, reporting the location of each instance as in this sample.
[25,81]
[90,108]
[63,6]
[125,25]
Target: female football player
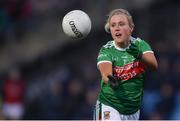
[122,63]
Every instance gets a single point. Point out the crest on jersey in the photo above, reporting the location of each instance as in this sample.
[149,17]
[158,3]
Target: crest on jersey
[106,114]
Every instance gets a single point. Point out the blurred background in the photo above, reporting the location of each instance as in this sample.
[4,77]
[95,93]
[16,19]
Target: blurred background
[46,75]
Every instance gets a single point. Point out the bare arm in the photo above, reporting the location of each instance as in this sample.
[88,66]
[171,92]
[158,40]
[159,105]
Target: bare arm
[150,60]
[105,70]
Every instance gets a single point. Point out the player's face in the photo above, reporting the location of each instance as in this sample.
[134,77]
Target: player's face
[120,29]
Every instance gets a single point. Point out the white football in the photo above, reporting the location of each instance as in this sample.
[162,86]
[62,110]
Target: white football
[76,24]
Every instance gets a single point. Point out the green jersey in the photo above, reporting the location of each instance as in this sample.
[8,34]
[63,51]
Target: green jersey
[129,70]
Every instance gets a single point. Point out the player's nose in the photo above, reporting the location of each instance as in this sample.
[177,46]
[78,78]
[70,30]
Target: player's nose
[117,28]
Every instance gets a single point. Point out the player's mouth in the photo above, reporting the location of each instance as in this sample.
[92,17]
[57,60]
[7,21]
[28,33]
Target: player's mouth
[118,35]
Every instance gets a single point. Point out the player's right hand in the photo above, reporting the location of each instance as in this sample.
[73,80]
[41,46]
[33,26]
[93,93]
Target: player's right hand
[113,81]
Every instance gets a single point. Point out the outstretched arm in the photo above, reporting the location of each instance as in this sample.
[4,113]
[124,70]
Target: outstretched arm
[105,69]
[106,73]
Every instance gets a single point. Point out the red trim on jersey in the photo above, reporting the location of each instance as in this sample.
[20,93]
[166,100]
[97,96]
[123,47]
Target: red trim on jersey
[128,71]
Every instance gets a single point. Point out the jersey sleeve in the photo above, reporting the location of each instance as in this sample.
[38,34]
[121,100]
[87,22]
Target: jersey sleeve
[104,56]
[144,47]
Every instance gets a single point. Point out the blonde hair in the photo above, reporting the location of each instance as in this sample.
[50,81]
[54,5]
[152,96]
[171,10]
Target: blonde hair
[117,12]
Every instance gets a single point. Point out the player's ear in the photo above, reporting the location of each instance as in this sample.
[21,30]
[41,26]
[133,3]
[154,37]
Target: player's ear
[107,28]
[131,29]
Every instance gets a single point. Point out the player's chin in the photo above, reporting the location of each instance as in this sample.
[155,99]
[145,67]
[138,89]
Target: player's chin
[119,40]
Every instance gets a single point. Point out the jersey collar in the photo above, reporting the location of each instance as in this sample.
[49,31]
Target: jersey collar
[119,48]
[132,39]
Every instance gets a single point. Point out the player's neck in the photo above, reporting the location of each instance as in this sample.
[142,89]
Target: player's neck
[123,45]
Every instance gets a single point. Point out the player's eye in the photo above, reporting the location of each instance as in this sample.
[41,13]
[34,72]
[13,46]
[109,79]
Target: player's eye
[121,24]
[113,25]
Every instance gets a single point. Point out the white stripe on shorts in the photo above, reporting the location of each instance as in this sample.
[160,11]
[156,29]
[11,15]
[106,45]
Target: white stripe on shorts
[97,111]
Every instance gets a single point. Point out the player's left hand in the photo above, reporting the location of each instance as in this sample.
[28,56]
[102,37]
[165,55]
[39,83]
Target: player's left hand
[134,50]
